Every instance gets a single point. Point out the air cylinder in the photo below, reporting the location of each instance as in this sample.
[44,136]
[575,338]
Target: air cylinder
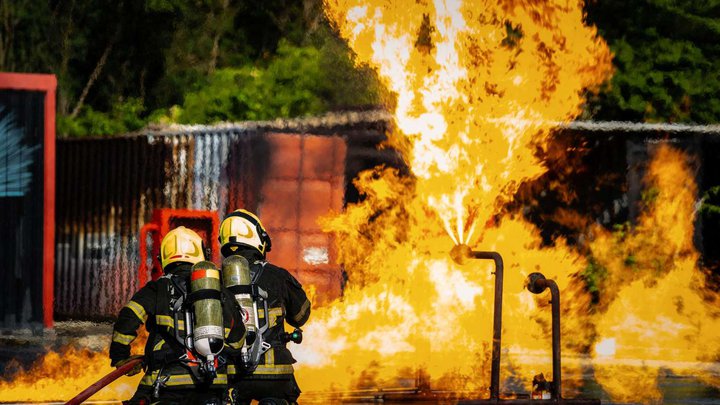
[208,328]
[236,277]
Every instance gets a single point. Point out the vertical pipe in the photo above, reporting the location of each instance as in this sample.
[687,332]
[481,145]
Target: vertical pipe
[555,302]
[497,320]
[536,284]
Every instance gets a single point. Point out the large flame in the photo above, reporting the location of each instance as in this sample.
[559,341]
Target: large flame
[479,87]
[659,314]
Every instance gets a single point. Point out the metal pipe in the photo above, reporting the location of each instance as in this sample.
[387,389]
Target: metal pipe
[537,283]
[461,254]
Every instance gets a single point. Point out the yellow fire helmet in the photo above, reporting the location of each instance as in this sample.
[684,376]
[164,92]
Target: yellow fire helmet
[181,245]
[242,228]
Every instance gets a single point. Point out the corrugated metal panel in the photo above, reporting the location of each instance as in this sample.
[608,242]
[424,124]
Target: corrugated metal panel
[108,188]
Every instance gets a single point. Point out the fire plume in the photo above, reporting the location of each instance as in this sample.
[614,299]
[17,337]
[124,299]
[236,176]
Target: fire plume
[479,87]
[658,312]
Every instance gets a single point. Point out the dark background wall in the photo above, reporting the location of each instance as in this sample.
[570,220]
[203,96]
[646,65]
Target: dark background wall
[595,174]
[21,208]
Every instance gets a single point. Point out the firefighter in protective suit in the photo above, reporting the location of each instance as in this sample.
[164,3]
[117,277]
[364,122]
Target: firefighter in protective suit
[173,373]
[271,381]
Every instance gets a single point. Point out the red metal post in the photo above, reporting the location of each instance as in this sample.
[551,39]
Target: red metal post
[48,84]
[49,206]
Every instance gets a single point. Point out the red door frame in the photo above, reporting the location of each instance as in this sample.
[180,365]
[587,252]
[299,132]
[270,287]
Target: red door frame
[46,83]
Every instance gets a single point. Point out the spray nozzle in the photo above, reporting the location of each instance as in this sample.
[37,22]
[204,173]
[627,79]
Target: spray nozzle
[536,283]
[461,253]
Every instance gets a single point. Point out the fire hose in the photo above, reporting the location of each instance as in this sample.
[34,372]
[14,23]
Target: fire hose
[103,382]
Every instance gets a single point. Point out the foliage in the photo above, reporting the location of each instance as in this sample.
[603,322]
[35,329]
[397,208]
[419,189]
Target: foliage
[710,207]
[153,59]
[594,274]
[124,117]
[298,81]
[667,55]
[289,86]
[163,52]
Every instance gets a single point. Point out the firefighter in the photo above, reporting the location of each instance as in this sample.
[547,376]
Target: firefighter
[270,381]
[174,371]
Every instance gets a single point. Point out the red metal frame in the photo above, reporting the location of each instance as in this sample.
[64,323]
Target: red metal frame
[47,84]
[164,220]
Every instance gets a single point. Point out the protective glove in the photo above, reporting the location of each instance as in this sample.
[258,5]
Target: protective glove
[138,367]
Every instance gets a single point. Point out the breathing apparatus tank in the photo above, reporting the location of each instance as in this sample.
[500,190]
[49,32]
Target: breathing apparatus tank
[208,328]
[237,279]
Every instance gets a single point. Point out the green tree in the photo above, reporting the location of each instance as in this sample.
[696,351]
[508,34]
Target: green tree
[297,81]
[116,58]
[667,59]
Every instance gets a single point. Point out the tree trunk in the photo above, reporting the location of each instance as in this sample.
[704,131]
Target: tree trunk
[63,98]
[6,36]
[215,52]
[93,77]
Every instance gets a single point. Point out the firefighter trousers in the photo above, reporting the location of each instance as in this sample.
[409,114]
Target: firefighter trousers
[281,391]
[184,396]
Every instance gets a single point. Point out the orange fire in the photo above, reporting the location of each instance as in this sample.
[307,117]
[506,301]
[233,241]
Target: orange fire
[658,314]
[479,87]
[61,374]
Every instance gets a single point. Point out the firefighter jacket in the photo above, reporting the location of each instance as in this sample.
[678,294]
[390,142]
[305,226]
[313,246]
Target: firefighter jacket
[287,302]
[151,305]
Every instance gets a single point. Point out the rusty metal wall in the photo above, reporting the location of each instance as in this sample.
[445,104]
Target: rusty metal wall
[108,188]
